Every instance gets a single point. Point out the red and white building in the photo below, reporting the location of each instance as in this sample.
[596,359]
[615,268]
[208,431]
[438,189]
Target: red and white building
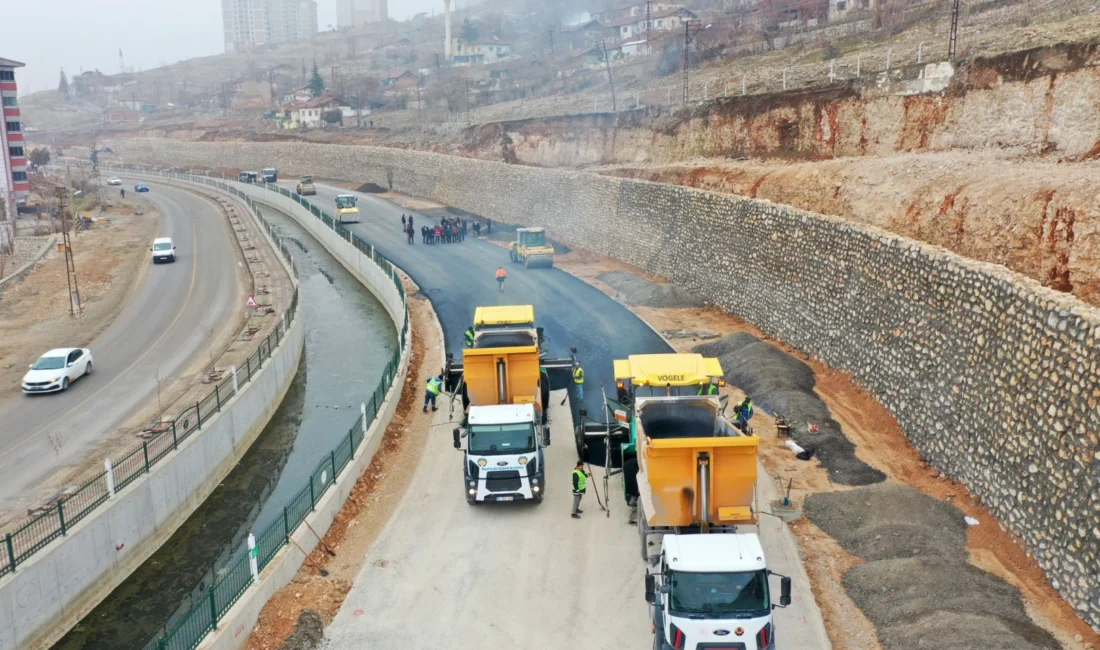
[13,168]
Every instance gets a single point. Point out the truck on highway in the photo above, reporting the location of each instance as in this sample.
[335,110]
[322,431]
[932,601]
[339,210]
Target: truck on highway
[346,209]
[504,386]
[690,478]
[270,175]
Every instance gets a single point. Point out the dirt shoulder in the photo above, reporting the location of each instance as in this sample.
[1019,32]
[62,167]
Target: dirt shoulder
[111,259]
[376,493]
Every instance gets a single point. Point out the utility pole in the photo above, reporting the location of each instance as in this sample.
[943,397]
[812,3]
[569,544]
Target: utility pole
[468,81]
[551,33]
[610,80]
[418,100]
[358,123]
[438,71]
[691,28]
[953,45]
[75,307]
[648,26]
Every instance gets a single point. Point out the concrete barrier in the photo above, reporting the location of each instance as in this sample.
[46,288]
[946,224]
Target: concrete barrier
[49,593]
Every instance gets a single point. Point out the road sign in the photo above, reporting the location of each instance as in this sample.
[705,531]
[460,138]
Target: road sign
[252,301]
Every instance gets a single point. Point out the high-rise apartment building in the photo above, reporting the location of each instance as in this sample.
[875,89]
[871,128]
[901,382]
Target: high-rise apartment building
[13,158]
[356,13]
[254,23]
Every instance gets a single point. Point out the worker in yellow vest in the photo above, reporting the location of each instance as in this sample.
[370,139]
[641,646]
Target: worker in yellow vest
[434,388]
[580,484]
[578,381]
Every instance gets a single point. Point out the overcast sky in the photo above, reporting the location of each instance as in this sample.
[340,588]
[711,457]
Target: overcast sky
[49,35]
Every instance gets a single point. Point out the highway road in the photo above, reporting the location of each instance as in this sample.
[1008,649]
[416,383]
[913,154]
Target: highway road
[161,329]
[444,574]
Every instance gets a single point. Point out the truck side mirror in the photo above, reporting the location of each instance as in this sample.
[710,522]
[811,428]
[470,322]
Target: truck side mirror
[650,588]
[457,434]
[784,592]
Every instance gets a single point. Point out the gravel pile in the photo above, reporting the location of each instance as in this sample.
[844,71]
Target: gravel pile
[783,385]
[308,633]
[888,521]
[642,292]
[371,188]
[916,586]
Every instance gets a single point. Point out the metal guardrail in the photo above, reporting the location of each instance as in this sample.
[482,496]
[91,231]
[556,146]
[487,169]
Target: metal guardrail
[36,533]
[189,630]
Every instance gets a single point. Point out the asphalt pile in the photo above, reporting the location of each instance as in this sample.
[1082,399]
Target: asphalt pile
[783,385]
[915,585]
[643,293]
[308,633]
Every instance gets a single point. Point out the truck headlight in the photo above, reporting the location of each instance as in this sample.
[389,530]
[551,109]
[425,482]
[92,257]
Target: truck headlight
[473,492]
[535,489]
[535,481]
[471,484]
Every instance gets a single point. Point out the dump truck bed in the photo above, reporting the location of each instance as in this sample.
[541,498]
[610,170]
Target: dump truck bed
[674,439]
[520,376]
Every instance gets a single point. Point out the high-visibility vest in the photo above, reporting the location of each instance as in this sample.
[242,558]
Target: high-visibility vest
[708,389]
[578,375]
[501,273]
[582,480]
[469,338]
[434,385]
[746,410]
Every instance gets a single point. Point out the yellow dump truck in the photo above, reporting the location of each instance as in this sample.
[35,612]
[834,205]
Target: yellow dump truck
[687,470]
[504,391]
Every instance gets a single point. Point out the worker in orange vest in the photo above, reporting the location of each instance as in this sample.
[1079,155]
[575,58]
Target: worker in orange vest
[502,275]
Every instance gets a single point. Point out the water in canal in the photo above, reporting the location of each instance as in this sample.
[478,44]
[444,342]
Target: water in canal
[349,340]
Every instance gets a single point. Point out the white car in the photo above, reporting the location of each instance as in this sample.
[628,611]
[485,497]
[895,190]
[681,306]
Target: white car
[164,250]
[57,369]
[114,180]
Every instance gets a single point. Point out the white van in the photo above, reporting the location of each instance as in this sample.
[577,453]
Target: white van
[163,250]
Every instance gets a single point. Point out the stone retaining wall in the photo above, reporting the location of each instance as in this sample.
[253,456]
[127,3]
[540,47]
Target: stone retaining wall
[993,377]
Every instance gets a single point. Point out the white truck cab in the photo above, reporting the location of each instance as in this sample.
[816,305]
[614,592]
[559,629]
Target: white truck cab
[504,455]
[711,591]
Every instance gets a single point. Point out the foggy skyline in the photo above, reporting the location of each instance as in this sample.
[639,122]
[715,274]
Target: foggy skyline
[76,34]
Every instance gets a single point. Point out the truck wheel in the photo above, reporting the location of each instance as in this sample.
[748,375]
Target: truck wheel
[512,256]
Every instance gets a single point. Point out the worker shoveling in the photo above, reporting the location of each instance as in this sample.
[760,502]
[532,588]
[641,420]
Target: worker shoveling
[689,476]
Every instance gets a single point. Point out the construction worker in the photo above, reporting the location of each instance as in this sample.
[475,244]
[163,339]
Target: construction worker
[744,412]
[709,388]
[580,484]
[123,190]
[578,381]
[470,336]
[435,386]
[502,275]
[402,222]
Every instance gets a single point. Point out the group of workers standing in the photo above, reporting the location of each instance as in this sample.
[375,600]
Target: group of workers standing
[449,230]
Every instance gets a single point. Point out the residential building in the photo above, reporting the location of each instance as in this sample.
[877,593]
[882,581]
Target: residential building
[839,8]
[14,186]
[356,13]
[468,52]
[630,27]
[305,115]
[397,82]
[634,10]
[249,24]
